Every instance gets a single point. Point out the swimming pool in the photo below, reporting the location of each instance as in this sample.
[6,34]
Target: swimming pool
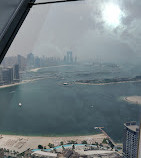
[65,146]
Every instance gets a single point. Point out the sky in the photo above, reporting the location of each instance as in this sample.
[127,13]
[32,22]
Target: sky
[108,30]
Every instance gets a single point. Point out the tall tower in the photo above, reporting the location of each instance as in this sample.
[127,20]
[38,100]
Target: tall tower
[130,142]
[69,58]
[7,75]
[16,72]
[30,60]
[21,61]
[0,74]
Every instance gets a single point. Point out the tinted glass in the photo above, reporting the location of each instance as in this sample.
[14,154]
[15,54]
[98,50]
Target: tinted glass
[7,10]
[76,72]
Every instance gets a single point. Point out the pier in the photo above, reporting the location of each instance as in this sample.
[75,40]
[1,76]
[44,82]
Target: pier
[101,129]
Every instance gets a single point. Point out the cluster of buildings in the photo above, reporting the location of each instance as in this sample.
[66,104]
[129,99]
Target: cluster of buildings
[9,75]
[69,59]
[130,148]
[36,62]
[73,151]
[32,61]
[11,66]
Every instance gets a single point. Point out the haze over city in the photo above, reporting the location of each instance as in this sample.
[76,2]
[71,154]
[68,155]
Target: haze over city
[84,28]
[70,84]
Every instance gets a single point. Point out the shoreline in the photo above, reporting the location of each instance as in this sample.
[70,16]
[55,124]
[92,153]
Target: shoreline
[37,69]
[19,83]
[133,99]
[22,143]
[101,84]
[62,135]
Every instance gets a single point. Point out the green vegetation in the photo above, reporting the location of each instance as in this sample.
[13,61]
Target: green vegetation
[101,145]
[63,147]
[119,147]
[61,143]
[84,142]
[51,145]
[40,147]
[96,143]
[111,80]
[111,144]
[73,147]
[105,141]
[72,142]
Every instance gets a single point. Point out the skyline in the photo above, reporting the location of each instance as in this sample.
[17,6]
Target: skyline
[32,61]
[83,28]
[70,84]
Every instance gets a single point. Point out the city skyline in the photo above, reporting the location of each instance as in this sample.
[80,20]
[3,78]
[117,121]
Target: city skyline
[31,60]
[82,30]
[70,83]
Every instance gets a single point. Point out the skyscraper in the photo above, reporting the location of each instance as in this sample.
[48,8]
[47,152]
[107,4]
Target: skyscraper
[130,143]
[1,80]
[69,58]
[7,75]
[37,62]
[30,60]
[21,61]
[16,72]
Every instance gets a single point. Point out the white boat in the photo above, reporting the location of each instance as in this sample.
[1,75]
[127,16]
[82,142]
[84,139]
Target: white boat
[20,104]
[65,83]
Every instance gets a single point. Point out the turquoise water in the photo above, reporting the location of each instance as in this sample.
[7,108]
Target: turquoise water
[65,146]
[51,109]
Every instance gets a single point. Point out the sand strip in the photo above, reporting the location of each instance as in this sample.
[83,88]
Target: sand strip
[133,99]
[22,143]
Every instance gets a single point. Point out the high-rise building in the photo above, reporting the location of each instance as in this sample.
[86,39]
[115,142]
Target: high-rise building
[16,73]
[130,142]
[7,75]
[21,61]
[30,60]
[65,59]
[69,57]
[37,62]
[1,80]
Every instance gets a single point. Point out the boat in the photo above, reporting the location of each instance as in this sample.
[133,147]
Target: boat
[20,104]
[65,84]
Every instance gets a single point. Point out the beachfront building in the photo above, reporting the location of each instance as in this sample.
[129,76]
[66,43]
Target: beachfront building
[30,60]
[1,80]
[7,75]
[16,72]
[130,143]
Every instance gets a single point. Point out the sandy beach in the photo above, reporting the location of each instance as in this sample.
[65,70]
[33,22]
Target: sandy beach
[37,69]
[14,84]
[19,83]
[133,99]
[22,143]
[100,84]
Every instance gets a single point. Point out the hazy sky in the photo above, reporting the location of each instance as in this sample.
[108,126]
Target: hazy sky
[106,29]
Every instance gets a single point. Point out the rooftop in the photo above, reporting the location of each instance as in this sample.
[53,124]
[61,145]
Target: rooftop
[132,126]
